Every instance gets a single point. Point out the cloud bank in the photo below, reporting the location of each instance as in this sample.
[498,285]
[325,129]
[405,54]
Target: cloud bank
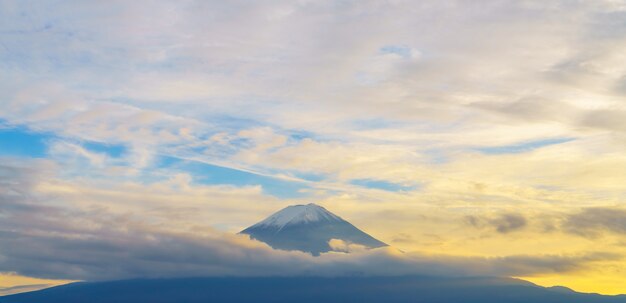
[41,237]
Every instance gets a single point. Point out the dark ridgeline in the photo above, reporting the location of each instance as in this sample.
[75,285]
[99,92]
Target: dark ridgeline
[310,290]
[307,228]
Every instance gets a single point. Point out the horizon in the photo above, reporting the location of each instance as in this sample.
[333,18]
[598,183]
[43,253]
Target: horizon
[137,139]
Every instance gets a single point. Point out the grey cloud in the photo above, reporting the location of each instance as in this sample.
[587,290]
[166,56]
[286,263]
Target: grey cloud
[509,222]
[532,265]
[532,108]
[593,222]
[614,120]
[502,223]
[620,86]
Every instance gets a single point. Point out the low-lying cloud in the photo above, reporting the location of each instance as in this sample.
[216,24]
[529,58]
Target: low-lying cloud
[4,291]
[40,237]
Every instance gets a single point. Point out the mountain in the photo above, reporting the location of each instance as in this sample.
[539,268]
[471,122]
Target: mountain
[308,228]
[308,290]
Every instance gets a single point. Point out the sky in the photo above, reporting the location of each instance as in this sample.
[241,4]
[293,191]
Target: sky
[475,137]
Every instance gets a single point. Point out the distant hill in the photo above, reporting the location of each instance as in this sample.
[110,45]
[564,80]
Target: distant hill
[309,290]
[308,228]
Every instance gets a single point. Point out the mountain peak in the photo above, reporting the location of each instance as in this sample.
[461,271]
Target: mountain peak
[307,228]
[298,214]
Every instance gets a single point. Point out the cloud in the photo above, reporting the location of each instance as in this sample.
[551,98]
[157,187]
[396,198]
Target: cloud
[509,222]
[502,223]
[595,221]
[611,119]
[44,238]
[5,291]
[164,86]
[283,62]
[338,245]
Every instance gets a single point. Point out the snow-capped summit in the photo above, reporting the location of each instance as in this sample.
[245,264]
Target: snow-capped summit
[298,214]
[308,228]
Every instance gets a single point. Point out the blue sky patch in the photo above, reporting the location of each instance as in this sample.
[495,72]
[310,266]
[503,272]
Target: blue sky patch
[400,50]
[213,174]
[301,135]
[112,150]
[378,123]
[522,147]
[21,142]
[380,184]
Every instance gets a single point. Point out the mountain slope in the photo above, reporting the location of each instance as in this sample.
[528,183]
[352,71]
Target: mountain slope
[305,290]
[308,228]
